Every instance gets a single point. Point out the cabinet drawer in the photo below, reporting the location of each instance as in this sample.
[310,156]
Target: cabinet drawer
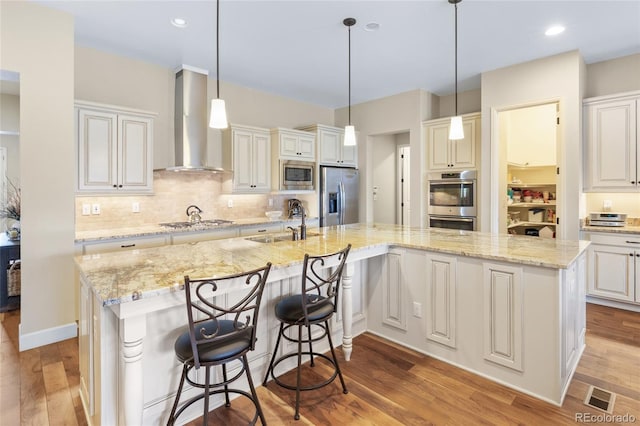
[124,244]
[262,229]
[194,237]
[626,240]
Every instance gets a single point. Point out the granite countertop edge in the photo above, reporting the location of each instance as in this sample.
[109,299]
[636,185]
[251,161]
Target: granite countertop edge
[151,230]
[118,277]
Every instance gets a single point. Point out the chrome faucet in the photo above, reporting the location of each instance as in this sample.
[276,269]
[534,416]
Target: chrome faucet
[193,212]
[303,226]
[294,235]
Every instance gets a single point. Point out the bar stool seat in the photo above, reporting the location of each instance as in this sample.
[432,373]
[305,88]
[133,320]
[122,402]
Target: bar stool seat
[212,353]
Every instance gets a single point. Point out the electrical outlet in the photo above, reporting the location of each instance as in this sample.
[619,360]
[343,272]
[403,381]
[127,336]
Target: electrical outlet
[417,310]
[86,209]
[230,202]
[95,209]
[606,205]
[270,202]
[135,207]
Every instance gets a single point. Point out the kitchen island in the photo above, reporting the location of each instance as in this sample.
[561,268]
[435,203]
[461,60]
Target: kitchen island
[510,308]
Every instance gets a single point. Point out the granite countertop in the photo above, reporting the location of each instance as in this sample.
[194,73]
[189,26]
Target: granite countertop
[150,230]
[123,276]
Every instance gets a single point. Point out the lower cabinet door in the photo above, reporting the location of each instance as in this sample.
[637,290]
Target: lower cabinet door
[441,299]
[613,274]
[503,325]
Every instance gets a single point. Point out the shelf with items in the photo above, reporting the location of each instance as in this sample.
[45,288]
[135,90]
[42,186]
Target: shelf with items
[551,203]
[530,224]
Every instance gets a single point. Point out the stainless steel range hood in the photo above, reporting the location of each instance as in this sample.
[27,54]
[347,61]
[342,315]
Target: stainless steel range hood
[191,122]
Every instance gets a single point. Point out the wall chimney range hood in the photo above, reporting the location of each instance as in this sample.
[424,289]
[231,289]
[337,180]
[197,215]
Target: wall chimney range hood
[191,121]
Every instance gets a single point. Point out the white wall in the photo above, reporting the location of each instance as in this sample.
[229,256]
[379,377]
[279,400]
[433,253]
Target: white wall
[613,76]
[37,42]
[559,77]
[399,113]
[468,102]
[384,178]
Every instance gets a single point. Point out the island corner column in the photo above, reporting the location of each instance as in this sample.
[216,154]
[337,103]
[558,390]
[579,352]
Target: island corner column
[132,332]
[347,310]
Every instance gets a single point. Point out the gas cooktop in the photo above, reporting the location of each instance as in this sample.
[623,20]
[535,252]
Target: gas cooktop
[201,224]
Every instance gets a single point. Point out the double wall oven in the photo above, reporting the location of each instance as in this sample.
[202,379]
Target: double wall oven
[453,200]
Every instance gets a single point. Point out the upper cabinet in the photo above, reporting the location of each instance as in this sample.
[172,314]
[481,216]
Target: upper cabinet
[294,144]
[114,148]
[611,147]
[331,149]
[247,151]
[446,154]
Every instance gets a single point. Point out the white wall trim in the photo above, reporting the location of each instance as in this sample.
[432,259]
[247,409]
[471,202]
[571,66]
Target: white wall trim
[46,336]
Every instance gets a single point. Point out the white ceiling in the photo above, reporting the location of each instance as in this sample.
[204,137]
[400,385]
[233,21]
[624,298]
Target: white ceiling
[298,48]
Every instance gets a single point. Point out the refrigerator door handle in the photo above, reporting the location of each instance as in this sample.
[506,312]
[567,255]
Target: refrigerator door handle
[342,204]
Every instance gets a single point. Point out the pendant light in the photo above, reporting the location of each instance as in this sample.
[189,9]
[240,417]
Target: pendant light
[218,117]
[349,130]
[456,130]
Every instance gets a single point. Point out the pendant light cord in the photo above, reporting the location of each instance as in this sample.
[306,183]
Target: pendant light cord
[349,75]
[218,49]
[456,55]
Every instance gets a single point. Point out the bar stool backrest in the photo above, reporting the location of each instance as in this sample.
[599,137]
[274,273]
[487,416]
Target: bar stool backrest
[317,288]
[223,323]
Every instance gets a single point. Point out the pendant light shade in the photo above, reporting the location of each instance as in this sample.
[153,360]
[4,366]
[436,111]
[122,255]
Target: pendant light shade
[349,135]
[218,114]
[218,118]
[349,130]
[456,130]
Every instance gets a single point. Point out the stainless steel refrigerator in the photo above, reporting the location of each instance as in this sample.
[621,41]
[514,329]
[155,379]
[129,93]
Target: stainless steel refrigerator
[338,195]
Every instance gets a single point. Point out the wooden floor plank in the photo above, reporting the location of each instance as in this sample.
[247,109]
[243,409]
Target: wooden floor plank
[33,398]
[388,385]
[58,395]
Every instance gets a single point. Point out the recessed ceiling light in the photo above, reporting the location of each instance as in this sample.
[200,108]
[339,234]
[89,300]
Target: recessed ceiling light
[179,22]
[372,26]
[555,30]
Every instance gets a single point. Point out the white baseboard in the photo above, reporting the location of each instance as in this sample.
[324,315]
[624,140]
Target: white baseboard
[47,336]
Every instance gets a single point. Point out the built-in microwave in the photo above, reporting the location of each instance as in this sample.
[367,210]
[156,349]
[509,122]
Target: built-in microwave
[297,175]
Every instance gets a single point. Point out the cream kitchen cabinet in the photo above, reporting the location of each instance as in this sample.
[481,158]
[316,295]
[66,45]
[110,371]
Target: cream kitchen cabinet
[293,144]
[614,265]
[114,149]
[612,153]
[247,151]
[331,149]
[446,154]
[117,244]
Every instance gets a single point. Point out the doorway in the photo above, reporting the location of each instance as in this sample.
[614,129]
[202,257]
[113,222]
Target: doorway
[528,137]
[391,182]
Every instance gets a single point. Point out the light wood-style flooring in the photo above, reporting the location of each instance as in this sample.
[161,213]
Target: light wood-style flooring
[388,385]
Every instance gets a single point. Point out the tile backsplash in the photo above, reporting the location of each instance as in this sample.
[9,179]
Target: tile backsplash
[628,202]
[173,192]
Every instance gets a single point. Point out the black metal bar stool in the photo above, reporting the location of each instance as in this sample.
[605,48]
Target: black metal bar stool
[313,307]
[218,335]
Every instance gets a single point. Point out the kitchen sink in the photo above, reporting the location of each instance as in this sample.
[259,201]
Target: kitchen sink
[274,238]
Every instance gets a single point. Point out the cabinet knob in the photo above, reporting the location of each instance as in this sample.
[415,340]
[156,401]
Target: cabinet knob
[115,186]
[631,254]
[633,182]
[119,186]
